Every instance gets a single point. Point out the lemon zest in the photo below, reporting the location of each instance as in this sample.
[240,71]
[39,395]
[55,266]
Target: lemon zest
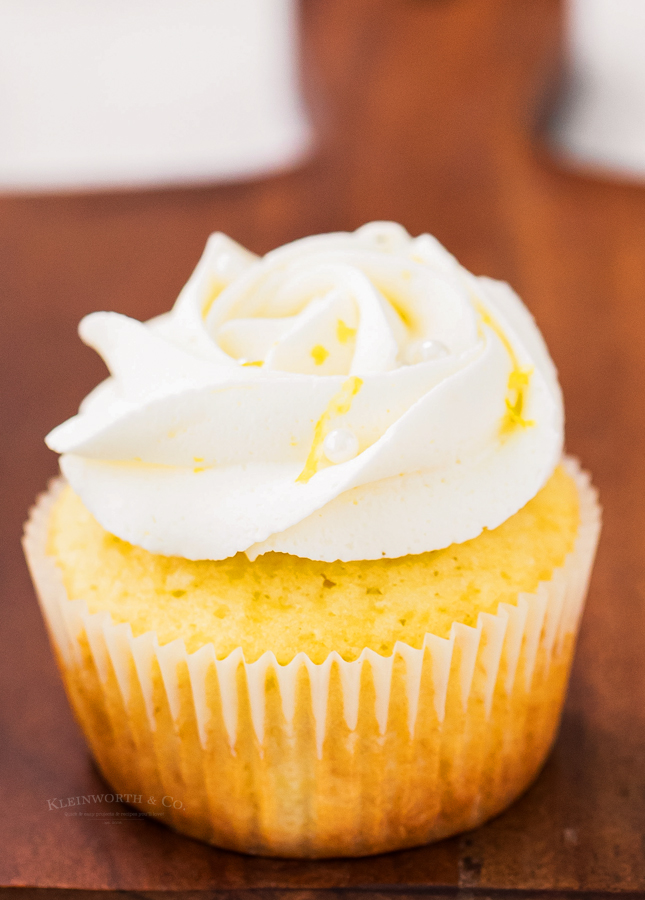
[214,290]
[319,354]
[339,405]
[344,333]
[518,380]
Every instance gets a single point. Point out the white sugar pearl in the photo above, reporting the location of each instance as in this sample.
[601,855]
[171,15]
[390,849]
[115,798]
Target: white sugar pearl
[340,445]
[425,351]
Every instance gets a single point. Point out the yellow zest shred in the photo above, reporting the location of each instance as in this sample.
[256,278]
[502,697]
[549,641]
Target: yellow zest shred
[319,354]
[518,380]
[344,333]
[215,289]
[339,405]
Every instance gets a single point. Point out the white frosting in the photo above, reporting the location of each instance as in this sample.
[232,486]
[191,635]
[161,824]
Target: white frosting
[347,396]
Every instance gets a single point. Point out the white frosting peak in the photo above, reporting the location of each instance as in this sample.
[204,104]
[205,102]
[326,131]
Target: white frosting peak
[347,396]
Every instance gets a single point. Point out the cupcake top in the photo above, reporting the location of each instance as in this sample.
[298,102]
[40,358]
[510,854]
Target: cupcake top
[347,396]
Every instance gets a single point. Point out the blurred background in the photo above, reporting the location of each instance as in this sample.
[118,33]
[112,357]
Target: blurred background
[513,131]
[150,92]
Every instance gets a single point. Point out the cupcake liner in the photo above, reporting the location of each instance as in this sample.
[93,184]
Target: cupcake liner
[337,758]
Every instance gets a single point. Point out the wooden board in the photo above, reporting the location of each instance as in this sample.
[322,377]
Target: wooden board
[426,113]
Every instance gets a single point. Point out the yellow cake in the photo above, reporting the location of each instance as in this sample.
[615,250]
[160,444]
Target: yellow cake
[292,605]
[315,570]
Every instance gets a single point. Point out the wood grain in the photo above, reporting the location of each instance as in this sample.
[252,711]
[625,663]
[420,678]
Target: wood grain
[426,113]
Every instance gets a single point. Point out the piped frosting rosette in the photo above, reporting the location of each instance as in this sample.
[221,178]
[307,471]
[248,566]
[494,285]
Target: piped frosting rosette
[347,396]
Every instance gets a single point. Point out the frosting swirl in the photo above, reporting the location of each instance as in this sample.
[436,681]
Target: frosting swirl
[347,396]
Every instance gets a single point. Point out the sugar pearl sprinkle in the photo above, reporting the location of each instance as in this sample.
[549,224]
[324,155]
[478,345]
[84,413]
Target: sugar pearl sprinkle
[340,445]
[424,351]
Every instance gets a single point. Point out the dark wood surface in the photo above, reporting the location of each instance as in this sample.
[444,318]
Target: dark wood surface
[427,113]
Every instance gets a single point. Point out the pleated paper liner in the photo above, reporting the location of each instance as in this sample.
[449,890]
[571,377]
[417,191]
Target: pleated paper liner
[340,758]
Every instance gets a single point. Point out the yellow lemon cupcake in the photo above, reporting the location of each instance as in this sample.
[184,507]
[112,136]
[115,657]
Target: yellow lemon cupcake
[315,567]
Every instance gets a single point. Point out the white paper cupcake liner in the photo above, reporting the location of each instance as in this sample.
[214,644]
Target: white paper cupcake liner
[332,758]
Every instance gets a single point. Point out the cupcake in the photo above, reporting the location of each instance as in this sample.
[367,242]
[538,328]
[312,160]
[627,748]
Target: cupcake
[314,568]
